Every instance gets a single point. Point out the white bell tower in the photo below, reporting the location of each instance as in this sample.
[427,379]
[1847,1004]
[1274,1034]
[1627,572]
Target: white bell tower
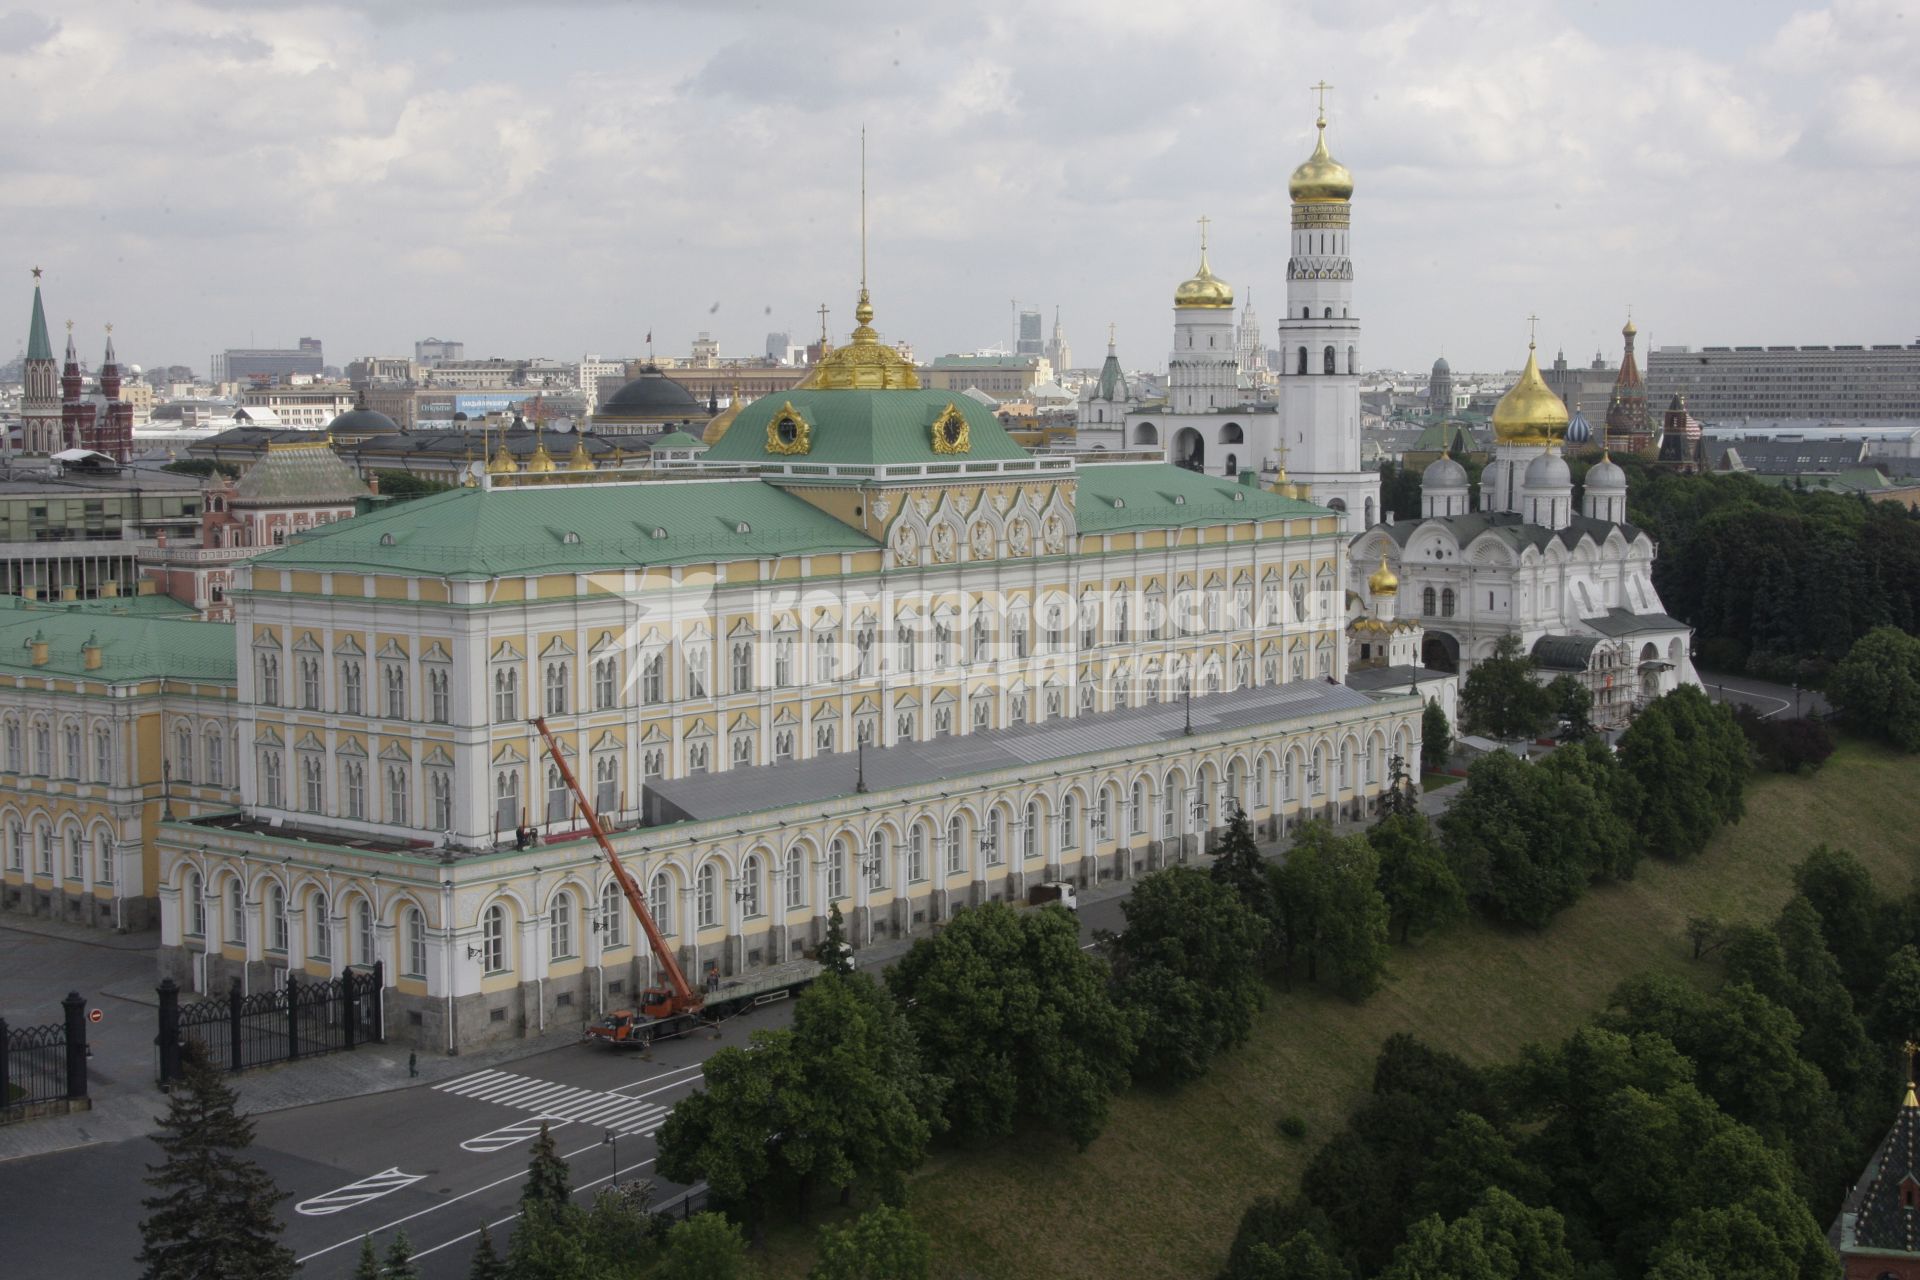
[1320,341]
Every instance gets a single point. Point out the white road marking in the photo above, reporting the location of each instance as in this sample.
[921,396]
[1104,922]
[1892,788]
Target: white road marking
[355,1194]
[518,1131]
[624,1114]
[501,1222]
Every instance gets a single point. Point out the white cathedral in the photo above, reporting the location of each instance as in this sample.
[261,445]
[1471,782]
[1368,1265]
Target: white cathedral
[1575,587]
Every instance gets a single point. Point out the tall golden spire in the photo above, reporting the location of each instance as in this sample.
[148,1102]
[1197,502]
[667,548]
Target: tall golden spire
[865,363]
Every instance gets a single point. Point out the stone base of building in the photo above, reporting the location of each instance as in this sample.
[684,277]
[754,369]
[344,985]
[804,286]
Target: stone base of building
[125,915]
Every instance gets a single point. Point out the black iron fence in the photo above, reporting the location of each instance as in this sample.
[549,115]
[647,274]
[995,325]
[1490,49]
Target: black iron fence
[282,1024]
[44,1069]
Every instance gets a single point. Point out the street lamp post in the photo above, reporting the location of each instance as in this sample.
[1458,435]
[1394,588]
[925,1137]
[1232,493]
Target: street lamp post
[611,1140]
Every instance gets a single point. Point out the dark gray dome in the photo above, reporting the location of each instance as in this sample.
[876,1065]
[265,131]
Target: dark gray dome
[362,421]
[653,392]
[1441,366]
[1444,473]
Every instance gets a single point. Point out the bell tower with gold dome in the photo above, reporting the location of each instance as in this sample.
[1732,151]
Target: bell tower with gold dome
[1320,340]
[1203,372]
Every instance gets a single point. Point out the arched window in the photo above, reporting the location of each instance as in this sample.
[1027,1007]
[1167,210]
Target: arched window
[1446,603]
[1303,360]
[196,906]
[660,902]
[493,939]
[996,838]
[395,676]
[216,760]
[750,886]
[506,800]
[1427,598]
[1169,801]
[363,933]
[1328,313]
[876,867]
[1030,832]
[1104,827]
[1350,359]
[442,786]
[796,877]
[1070,822]
[917,854]
[556,688]
[416,943]
[560,926]
[613,919]
[506,694]
[102,752]
[956,848]
[1137,808]
[321,930]
[439,708]
[354,774]
[1326,359]
[104,854]
[236,913]
[837,869]
[706,897]
[559,798]
[270,779]
[277,919]
[399,812]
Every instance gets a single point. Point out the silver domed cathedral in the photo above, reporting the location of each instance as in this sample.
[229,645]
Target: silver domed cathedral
[1320,343]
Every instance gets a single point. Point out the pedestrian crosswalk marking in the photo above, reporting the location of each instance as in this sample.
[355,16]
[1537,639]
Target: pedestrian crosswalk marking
[358,1193]
[556,1104]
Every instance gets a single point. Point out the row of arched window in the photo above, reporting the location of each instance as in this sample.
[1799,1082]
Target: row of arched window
[36,747]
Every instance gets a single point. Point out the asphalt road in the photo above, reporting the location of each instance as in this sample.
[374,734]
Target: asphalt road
[439,1160]
[1767,698]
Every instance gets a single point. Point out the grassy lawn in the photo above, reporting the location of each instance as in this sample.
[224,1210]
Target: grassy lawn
[1161,1192]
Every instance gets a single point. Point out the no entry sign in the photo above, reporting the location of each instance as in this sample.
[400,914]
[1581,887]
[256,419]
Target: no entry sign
[94,1015]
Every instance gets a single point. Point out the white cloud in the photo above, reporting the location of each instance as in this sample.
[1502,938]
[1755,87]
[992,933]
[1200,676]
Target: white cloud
[561,177]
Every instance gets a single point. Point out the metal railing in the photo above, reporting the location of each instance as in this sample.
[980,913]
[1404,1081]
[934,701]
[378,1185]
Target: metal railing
[42,1067]
[239,1032]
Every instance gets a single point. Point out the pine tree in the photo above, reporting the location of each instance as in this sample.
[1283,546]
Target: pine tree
[400,1259]
[833,952]
[213,1215]
[1436,738]
[548,1183]
[368,1267]
[486,1263]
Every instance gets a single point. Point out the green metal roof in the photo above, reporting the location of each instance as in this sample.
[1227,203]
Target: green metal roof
[299,473]
[865,428]
[1118,496]
[677,440]
[39,347]
[130,648]
[569,528]
[1113,382]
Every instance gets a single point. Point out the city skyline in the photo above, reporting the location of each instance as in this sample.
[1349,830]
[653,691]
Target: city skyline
[549,197]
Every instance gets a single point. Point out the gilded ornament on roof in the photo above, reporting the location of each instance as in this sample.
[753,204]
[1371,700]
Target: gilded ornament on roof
[788,432]
[951,433]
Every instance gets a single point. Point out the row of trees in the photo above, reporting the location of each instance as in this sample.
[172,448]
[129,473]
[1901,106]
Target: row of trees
[1685,1133]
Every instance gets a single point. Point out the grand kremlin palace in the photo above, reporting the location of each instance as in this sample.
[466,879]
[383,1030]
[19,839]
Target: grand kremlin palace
[868,651]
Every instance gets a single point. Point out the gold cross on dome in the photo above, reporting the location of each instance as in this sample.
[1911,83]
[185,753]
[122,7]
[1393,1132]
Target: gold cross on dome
[1203,220]
[1910,1048]
[1321,90]
[1531,322]
[823,322]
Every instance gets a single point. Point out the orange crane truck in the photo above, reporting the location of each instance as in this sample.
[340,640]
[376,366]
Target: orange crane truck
[675,1008]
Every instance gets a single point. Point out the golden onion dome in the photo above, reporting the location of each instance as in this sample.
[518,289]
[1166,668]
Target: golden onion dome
[724,419]
[865,363]
[1321,179]
[1530,413]
[1205,289]
[541,462]
[579,459]
[1383,581]
[502,463]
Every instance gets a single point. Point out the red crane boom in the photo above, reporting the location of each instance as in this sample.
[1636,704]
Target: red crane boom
[680,998]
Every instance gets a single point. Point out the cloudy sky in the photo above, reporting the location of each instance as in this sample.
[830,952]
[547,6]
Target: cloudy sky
[560,177]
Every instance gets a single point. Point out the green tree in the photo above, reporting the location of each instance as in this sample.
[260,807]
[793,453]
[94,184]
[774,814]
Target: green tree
[720,1133]
[833,952]
[1501,697]
[1239,866]
[1436,737]
[1894,1016]
[214,1211]
[1572,702]
[367,1267]
[882,1244]
[1021,1021]
[1189,963]
[1689,762]
[1417,882]
[704,1247]
[400,1258]
[1302,1257]
[1595,801]
[1501,1239]
[1327,896]
[549,1243]
[486,1264]
[1850,909]
[1504,835]
[1274,1235]
[1876,687]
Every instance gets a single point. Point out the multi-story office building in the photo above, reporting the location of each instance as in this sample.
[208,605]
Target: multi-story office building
[1002,377]
[431,352]
[311,406]
[1723,383]
[245,364]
